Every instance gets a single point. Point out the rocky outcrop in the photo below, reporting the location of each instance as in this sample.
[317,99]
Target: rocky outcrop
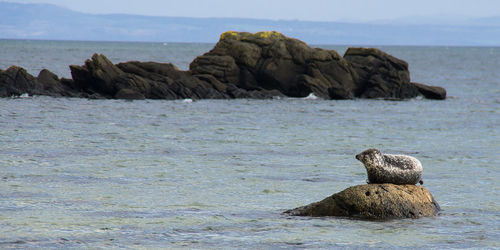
[380,75]
[139,80]
[241,65]
[168,82]
[54,86]
[16,81]
[272,61]
[374,201]
[431,92]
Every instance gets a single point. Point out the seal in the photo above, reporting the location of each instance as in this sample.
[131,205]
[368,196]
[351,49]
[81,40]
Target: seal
[388,168]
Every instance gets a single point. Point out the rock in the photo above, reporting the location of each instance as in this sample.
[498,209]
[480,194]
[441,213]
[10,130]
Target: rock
[156,82]
[136,79]
[374,201]
[380,74]
[54,86]
[100,75]
[48,79]
[223,68]
[431,92]
[16,81]
[272,61]
[171,83]
[214,83]
[241,65]
[129,94]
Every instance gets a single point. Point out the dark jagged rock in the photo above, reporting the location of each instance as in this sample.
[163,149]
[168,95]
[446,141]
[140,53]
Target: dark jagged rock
[241,65]
[150,79]
[235,92]
[16,81]
[380,74]
[54,86]
[129,94]
[158,80]
[272,61]
[431,92]
[48,79]
[99,75]
[133,80]
[171,83]
[374,201]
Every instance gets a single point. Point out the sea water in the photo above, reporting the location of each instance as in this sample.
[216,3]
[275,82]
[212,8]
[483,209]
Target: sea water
[79,173]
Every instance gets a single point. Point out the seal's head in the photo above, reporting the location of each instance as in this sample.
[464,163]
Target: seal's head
[370,157]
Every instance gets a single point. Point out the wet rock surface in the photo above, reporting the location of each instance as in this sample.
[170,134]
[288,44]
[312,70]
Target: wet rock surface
[380,75]
[16,81]
[374,201]
[272,61]
[431,92]
[241,65]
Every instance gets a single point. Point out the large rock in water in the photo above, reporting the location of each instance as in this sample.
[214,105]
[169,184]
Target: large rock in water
[139,80]
[272,61]
[53,86]
[374,201]
[241,65]
[380,75]
[431,92]
[16,81]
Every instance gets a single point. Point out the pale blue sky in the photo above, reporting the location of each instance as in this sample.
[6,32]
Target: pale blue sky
[313,10]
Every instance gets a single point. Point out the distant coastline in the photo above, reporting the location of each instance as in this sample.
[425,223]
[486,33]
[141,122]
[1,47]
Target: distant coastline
[56,23]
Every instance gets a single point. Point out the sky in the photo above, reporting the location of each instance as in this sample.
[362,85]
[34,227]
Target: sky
[306,10]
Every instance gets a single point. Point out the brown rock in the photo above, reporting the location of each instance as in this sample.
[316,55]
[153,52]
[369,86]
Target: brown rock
[223,68]
[48,79]
[129,94]
[16,81]
[272,61]
[99,75]
[241,65]
[374,201]
[380,74]
[431,92]
[54,86]
[137,79]
[167,81]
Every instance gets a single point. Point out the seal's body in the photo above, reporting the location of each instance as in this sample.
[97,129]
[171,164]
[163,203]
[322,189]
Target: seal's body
[387,168]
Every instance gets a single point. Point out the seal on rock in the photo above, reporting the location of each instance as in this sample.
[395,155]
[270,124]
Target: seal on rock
[388,168]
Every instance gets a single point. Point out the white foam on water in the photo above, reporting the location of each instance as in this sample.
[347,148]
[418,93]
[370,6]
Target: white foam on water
[24,95]
[311,97]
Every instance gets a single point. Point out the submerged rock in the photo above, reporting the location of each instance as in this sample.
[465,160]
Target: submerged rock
[374,201]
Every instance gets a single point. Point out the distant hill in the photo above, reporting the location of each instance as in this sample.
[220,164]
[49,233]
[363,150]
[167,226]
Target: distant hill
[44,21]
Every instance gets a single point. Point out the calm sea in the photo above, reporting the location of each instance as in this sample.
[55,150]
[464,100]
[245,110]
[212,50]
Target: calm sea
[78,173]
